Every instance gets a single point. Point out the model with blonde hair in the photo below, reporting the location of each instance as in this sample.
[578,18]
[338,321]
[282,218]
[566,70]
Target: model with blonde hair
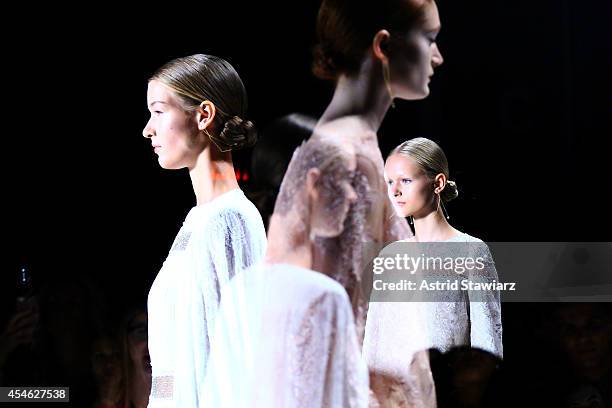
[417,176]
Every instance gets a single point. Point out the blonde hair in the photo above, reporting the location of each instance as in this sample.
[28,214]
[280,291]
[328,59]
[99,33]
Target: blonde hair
[431,158]
[197,78]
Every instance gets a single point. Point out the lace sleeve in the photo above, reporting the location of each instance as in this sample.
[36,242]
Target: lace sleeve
[485,307]
[327,367]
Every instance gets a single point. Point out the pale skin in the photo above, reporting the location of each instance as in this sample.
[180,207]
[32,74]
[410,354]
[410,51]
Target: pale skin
[414,193]
[179,139]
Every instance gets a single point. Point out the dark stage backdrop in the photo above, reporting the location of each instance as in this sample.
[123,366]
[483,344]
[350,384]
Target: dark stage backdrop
[521,106]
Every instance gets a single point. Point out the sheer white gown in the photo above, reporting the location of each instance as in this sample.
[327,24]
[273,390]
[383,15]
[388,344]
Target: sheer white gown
[217,241]
[285,337]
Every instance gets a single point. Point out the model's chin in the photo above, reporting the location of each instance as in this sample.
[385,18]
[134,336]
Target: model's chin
[415,95]
[426,90]
[401,211]
[167,165]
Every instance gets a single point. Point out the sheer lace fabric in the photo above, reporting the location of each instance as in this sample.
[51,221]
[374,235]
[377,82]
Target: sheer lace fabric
[285,337]
[217,241]
[370,224]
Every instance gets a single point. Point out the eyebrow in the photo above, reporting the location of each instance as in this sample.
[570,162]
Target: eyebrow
[162,102]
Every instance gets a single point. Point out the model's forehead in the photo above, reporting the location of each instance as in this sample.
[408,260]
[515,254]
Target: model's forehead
[431,20]
[158,92]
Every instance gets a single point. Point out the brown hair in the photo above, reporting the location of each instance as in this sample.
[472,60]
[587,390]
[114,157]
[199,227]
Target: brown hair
[201,77]
[345,29]
[431,158]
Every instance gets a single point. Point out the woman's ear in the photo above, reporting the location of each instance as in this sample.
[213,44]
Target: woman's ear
[439,183]
[205,114]
[311,183]
[380,45]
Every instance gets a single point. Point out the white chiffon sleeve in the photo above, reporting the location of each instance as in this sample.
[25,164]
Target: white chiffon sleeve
[227,244]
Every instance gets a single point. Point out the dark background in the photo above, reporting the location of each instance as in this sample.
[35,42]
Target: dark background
[521,107]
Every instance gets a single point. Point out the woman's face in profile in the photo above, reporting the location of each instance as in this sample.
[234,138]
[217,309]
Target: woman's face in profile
[414,56]
[173,131]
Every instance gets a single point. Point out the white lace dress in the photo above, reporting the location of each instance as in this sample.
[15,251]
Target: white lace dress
[393,329]
[217,241]
[285,338]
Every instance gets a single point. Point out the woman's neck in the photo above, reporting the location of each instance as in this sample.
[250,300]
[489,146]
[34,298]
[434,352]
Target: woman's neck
[433,227]
[212,175]
[288,242]
[363,95]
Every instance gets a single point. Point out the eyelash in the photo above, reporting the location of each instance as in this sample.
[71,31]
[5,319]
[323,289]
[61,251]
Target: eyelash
[404,180]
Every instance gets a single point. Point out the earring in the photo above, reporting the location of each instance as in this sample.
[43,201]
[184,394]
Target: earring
[213,140]
[410,220]
[387,79]
[444,212]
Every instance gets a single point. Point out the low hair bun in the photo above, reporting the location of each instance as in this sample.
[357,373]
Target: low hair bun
[323,66]
[237,134]
[450,192]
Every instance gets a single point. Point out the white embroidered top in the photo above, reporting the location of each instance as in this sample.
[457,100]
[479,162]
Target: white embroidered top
[217,241]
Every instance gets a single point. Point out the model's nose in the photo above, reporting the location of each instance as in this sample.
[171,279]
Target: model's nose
[148,130]
[436,56]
